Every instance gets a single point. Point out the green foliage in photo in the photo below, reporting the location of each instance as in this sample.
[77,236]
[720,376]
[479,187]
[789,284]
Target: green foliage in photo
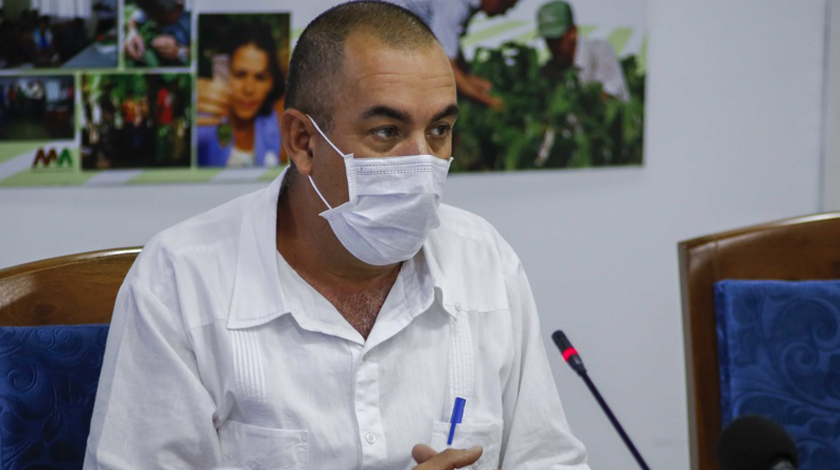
[565,124]
[148,30]
[118,86]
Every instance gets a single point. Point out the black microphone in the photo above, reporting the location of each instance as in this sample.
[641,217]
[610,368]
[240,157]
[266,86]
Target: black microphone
[754,442]
[572,358]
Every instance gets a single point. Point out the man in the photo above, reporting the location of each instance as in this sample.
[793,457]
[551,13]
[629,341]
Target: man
[449,19]
[42,43]
[593,58]
[333,320]
[104,17]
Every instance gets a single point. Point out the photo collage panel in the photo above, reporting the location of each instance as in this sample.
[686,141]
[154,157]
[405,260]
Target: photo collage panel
[114,85]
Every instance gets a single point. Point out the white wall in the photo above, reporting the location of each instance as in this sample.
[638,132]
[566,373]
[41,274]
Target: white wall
[733,139]
[831,123]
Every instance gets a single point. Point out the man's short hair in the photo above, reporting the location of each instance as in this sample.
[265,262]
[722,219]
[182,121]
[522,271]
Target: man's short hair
[318,57]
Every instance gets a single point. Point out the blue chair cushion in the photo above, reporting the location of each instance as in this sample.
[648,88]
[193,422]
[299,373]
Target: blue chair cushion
[779,354]
[48,379]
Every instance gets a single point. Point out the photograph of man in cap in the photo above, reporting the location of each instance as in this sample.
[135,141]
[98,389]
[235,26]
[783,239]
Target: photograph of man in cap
[593,58]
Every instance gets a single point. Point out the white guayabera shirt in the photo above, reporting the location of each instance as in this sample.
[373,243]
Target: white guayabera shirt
[221,356]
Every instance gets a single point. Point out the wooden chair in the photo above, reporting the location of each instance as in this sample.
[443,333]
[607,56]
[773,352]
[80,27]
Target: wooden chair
[803,248]
[68,290]
[49,369]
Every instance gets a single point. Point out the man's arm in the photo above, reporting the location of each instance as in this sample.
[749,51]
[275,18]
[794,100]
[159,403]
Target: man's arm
[134,45]
[448,23]
[475,88]
[151,409]
[531,403]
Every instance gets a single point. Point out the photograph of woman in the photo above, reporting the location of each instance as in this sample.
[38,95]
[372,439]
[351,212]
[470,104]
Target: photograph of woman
[240,89]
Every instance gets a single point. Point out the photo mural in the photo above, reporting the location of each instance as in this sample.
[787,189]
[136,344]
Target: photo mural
[112,92]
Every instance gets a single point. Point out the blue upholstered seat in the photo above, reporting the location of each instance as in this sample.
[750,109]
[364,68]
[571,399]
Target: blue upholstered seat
[48,379]
[779,354]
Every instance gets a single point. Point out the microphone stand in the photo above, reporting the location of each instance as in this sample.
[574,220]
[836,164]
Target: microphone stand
[573,359]
[614,421]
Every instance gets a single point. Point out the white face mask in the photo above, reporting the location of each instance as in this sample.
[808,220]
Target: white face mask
[392,206]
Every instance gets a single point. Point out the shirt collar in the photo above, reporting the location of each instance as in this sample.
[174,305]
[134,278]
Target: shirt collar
[445,294]
[258,296]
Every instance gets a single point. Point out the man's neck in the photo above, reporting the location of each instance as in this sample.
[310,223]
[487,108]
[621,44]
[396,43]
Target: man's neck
[307,243]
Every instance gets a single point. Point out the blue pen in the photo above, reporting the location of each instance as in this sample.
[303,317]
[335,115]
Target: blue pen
[457,415]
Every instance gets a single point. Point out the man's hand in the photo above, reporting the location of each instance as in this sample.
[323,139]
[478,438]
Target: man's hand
[449,459]
[475,88]
[134,46]
[482,89]
[166,45]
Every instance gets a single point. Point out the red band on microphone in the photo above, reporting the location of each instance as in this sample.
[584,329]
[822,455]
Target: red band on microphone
[569,353]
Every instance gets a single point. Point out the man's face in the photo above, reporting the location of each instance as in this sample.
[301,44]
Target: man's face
[497,7]
[563,48]
[389,102]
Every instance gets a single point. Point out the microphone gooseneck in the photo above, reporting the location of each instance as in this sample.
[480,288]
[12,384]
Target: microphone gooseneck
[572,358]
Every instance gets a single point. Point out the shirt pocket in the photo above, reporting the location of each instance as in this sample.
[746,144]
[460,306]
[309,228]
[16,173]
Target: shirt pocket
[487,435]
[259,448]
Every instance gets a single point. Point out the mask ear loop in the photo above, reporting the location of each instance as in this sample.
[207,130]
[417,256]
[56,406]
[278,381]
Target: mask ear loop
[311,181]
[325,136]
[348,160]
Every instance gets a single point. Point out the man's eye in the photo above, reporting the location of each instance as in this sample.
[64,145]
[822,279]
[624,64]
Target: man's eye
[385,132]
[441,130]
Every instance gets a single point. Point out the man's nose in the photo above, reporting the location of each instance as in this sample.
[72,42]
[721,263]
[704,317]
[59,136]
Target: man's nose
[416,144]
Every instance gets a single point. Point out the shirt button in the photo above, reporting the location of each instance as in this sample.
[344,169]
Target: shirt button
[365,357]
[458,306]
[370,438]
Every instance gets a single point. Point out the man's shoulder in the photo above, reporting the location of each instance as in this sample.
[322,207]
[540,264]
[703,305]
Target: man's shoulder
[464,224]
[217,224]
[462,230]
[597,46]
[214,233]
[476,264]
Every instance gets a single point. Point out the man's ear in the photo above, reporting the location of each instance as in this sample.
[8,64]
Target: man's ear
[296,131]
